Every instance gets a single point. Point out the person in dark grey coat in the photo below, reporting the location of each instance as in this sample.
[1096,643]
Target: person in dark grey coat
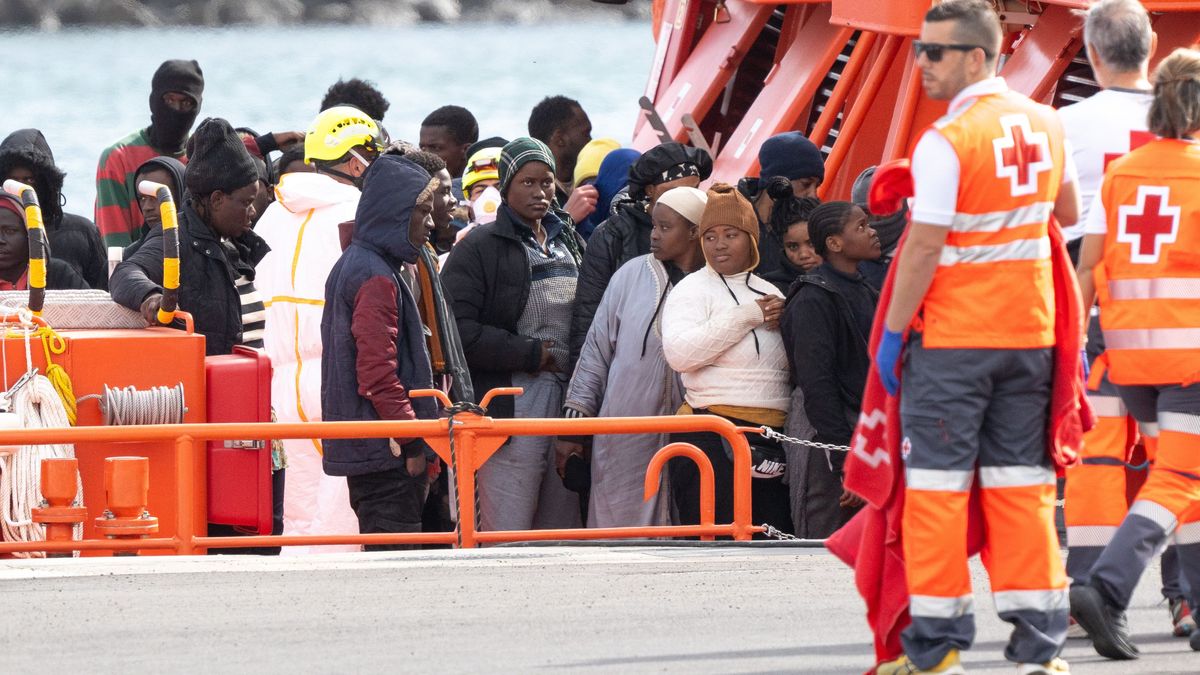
[622,371]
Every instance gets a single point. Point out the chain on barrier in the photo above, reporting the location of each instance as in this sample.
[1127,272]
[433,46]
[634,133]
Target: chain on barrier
[771,434]
[772,532]
[769,530]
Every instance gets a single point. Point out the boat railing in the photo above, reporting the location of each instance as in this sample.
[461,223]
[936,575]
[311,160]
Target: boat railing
[465,438]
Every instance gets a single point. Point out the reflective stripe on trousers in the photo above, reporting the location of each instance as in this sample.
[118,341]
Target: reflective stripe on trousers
[1095,500]
[987,408]
[1170,496]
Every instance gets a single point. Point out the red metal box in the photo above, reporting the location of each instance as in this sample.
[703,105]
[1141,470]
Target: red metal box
[239,471]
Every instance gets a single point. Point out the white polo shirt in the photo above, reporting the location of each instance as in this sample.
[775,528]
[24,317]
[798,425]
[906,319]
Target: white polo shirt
[1100,129]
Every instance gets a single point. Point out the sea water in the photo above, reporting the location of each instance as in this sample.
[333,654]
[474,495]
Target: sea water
[87,88]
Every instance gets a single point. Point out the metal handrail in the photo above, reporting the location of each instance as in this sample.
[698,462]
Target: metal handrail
[476,438]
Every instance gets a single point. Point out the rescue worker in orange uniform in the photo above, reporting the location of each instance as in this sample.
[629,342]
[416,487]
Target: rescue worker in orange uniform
[974,281]
[1142,243]
[1119,42]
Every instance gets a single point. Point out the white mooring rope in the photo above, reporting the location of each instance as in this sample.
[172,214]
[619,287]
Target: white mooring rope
[37,406]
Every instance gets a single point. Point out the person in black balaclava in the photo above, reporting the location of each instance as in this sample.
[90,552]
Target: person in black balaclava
[25,156]
[889,227]
[176,92]
[175,96]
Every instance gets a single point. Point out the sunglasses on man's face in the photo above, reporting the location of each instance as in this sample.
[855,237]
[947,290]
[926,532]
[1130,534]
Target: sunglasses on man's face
[934,50]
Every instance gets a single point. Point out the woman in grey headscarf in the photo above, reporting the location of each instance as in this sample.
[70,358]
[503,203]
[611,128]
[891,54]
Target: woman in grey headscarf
[622,372]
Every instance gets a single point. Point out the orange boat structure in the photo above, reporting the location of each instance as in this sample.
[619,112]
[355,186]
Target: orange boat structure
[842,72]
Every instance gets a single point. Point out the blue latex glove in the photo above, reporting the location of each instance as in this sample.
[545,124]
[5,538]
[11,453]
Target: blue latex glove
[886,358]
[1087,367]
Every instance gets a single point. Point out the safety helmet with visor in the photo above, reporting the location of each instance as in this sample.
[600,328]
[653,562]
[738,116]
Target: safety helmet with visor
[337,131]
[483,165]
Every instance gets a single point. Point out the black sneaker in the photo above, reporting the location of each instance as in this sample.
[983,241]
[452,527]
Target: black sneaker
[1105,624]
[1194,640]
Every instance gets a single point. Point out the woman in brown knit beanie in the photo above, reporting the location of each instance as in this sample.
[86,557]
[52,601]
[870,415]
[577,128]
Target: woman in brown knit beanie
[731,212]
[720,332]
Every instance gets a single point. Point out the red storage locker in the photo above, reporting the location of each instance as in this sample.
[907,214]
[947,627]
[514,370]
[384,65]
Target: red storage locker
[239,471]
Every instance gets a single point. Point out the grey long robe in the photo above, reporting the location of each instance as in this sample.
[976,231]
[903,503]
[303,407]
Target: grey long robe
[622,373]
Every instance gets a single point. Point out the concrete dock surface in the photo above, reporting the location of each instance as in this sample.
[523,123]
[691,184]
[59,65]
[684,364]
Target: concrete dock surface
[512,610]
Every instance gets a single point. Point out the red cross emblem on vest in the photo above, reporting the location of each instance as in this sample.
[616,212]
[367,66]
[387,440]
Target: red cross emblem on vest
[1148,224]
[1021,154]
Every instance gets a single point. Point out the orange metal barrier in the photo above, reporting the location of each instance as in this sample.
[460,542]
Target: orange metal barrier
[465,440]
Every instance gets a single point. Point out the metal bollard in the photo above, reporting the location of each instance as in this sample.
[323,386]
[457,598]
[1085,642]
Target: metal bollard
[59,488]
[126,491]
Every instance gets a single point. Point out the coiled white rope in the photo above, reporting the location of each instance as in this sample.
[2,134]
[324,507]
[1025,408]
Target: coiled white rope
[156,405]
[38,406]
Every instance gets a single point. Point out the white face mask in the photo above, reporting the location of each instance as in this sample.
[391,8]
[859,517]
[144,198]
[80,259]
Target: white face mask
[486,205]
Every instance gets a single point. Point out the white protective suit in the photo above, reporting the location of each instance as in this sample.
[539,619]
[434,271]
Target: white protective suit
[301,227]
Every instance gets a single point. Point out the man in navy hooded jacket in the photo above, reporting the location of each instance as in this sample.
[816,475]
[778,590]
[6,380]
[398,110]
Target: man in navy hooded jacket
[374,346]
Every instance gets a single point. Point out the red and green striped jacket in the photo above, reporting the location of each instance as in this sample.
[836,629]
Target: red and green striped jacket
[117,212]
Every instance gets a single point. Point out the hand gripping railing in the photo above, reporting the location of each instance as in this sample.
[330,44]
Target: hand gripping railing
[466,440]
[168,214]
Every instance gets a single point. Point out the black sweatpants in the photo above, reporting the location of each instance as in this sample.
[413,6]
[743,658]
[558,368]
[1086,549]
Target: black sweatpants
[388,501]
[770,501]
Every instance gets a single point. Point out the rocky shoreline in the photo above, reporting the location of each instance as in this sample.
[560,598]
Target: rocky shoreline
[57,14]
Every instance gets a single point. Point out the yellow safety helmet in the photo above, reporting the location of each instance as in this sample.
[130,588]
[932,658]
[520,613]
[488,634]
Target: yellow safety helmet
[483,165]
[338,129]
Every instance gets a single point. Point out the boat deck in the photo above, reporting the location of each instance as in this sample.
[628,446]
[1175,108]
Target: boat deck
[544,609]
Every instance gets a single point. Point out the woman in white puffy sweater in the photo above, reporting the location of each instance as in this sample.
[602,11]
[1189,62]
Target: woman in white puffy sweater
[721,334]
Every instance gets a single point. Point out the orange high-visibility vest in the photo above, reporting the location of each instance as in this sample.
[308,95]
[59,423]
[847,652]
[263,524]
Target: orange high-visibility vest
[1149,280]
[993,288]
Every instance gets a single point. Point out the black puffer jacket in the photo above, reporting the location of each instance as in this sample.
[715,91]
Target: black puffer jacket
[73,238]
[827,352]
[621,238]
[488,279]
[206,277]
